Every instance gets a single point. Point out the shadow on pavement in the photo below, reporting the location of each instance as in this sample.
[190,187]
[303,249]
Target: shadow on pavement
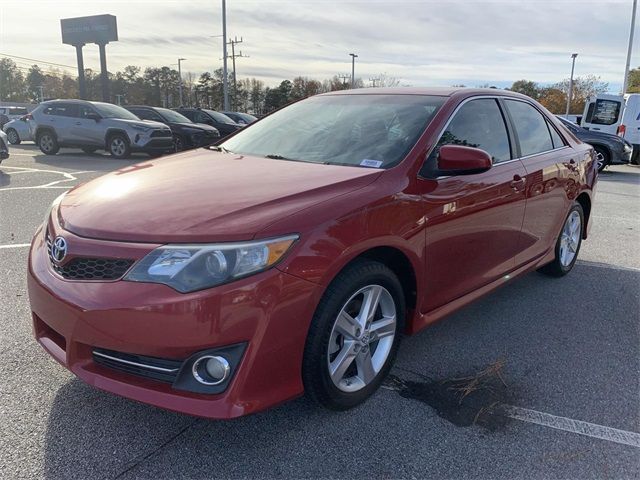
[571,348]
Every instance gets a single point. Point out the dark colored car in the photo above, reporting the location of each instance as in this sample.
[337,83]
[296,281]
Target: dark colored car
[611,149]
[186,134]
[224,124]
[241,118]
[4,147]
[292,257]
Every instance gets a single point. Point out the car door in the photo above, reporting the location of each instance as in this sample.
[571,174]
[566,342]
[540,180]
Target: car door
[85,130]
[61,116]
[473,222]
[552,176]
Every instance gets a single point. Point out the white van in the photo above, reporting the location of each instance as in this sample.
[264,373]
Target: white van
[615,114]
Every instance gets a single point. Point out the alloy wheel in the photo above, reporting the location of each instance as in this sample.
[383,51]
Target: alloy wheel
[361,338]
[600,161]
[46,142]
[570,238]
[13,137]
[118,147]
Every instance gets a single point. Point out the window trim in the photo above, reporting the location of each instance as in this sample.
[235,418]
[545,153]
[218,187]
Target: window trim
[547,121]
[507,123]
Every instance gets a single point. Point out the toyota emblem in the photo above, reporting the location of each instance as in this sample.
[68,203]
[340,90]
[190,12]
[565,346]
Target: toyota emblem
[59,249]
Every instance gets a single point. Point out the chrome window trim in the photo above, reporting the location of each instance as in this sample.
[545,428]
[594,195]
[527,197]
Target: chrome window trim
[494,97]
[135,364]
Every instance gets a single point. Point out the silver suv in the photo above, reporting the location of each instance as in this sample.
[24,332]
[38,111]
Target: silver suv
[95,126]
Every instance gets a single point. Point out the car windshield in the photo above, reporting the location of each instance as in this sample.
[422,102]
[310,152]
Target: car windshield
[357,130]
[106,110]
[171,116]
[18,111]
[219,117]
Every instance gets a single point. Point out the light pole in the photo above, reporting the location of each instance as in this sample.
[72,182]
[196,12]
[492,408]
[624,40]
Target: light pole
[180,75]
[353,69]
[225,83]
[573,65]
[625,83]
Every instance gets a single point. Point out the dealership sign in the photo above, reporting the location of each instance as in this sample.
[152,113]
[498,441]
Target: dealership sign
[100,29]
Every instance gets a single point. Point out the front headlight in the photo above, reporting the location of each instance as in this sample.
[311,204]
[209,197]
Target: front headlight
[142,128]
[188,268]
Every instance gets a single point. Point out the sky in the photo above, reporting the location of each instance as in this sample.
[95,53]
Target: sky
[420,42]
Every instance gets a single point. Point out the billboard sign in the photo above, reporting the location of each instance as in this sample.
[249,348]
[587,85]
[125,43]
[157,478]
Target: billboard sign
[98,29]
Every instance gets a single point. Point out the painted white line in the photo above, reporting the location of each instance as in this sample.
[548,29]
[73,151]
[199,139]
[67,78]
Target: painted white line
[15,245]
[68,177]
[572,426]
[39,187]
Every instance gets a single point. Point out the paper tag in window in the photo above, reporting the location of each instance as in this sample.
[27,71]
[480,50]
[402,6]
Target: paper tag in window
[371,163]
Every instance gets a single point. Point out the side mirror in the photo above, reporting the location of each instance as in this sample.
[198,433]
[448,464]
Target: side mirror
[93,116]
[460,160]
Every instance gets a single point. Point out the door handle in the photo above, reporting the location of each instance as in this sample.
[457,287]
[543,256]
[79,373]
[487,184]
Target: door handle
[78,123]
[517,183]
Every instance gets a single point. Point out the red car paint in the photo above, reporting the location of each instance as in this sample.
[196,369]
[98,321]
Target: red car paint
[456,238]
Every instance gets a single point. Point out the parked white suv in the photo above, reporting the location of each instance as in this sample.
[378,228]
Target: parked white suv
[93,126]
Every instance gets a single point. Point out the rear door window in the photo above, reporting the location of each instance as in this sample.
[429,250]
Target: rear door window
[62,110]
[479,124]
[603,112]
[531,128]
[557,140]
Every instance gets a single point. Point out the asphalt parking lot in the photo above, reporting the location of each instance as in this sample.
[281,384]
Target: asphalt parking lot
[565,353]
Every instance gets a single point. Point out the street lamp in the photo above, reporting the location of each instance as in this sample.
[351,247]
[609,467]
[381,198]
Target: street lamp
[573,65]
[180,75]
[225,82]
[353,69]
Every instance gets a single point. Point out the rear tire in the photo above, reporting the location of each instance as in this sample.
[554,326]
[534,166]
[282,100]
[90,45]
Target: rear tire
[350,348]
[568,244]
[48,143]
[13,137]
[118,146]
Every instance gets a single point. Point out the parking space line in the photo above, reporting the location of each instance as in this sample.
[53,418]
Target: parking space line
[573,426]
[15,245]
[68,177]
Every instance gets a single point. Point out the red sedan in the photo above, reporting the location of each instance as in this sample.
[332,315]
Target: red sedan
[292,257]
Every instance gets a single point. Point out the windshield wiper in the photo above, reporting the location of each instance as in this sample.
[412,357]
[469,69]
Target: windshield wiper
[275,156]
[218,148]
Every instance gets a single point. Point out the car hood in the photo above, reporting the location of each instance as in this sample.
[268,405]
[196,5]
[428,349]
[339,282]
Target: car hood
[140,123]
[202,196]
[196,126]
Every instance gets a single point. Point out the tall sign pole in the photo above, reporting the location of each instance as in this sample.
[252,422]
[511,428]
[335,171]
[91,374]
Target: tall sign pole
[625,83]
[573,66]
[99,29]
[82,89]
[225,82]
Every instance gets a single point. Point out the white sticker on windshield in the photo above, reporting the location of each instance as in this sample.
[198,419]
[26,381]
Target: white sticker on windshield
[371,163]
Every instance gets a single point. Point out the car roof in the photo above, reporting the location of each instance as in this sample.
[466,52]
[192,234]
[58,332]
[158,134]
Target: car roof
[434,91]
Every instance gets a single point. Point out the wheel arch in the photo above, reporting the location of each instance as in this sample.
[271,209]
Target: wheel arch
[114,131]
[45,128]
[585,202]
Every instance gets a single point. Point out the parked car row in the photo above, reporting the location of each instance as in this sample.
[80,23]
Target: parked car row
[93,126]
[10,113]
[611,149]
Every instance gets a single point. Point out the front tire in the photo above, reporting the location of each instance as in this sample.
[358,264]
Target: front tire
[354,335]
[568,244]
[118,146]
[13,137]
[604,159]
[178,143]
[48,143]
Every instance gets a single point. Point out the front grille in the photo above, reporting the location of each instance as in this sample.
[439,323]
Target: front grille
[161,133]
[88,268]
[160,369]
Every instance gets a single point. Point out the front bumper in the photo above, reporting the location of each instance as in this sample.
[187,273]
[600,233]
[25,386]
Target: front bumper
[154,145]
[269,313]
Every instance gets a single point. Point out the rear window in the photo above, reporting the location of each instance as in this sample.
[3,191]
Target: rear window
[61,110]
[603,112]
[531,127]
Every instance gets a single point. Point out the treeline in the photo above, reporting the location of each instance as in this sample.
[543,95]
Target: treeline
[160,87]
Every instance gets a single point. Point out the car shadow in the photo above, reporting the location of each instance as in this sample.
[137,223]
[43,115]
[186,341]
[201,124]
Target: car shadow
[575,335]
[5,179]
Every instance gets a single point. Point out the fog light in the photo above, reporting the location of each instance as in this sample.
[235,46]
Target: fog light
[211,369]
